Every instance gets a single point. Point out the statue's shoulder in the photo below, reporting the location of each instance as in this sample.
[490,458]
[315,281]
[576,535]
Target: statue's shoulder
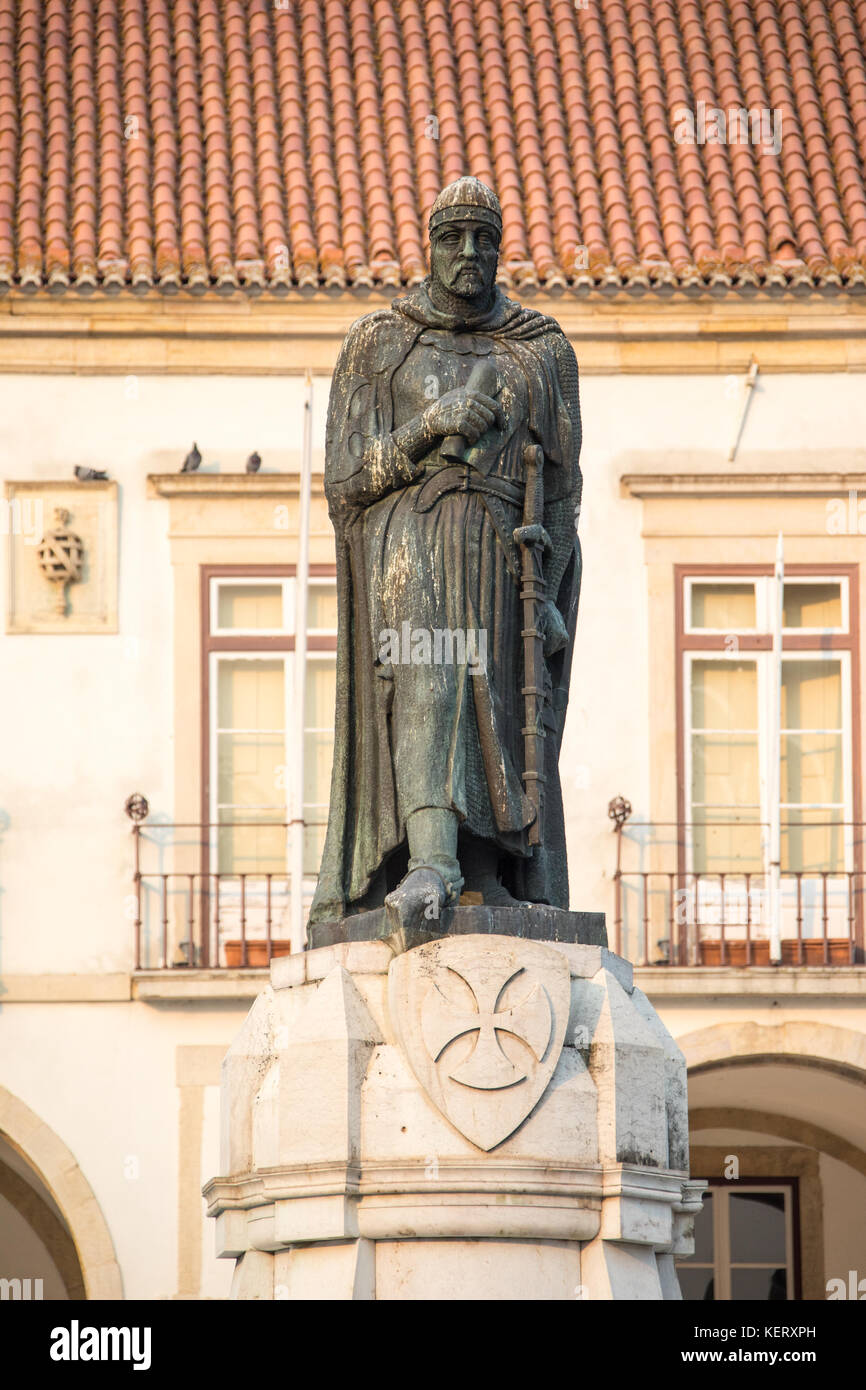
[377,341]
[524,322]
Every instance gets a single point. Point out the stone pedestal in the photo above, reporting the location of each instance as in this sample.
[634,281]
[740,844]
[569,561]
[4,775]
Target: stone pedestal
[480,1117]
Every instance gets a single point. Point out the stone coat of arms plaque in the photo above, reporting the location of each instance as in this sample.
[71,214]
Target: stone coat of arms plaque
[482,1021]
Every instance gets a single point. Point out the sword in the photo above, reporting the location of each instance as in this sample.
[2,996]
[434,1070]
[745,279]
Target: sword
[533,539]
[482,378]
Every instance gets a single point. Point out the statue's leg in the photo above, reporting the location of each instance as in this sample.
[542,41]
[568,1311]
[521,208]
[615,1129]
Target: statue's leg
[434,880]
[480,860]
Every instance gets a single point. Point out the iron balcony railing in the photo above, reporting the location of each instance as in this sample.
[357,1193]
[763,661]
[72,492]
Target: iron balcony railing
[671,909]
[189,912]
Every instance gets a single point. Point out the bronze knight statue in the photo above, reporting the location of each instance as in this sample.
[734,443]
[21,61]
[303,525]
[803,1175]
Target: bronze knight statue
[453,485]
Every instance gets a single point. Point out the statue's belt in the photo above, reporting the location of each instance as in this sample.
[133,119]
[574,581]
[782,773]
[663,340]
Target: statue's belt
[494,491]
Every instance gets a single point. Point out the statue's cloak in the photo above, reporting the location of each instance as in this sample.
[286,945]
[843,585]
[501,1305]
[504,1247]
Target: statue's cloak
[365,848]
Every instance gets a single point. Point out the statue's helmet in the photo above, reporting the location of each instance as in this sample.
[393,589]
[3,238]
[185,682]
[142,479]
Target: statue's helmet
[464,200]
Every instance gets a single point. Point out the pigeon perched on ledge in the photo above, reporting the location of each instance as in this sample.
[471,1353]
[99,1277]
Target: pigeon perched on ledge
[192,460]
[90,475]
[254,462]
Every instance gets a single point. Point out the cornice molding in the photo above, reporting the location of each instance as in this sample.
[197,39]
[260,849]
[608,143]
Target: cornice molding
[651,485]
[198,485]
[650,333]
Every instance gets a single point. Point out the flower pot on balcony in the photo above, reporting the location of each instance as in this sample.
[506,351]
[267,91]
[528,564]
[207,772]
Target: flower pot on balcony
[837,951]
[257,953]
[735,953]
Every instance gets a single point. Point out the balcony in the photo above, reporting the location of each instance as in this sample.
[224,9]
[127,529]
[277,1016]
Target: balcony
[189,913]
[672,909]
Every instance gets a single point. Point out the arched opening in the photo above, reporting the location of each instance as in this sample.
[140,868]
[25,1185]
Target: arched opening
[51,1225]
[38,1258]
[777,1119]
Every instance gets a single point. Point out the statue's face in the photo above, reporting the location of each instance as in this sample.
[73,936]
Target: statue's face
[463,258]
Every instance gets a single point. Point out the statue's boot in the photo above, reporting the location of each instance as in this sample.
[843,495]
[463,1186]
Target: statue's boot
[434,880]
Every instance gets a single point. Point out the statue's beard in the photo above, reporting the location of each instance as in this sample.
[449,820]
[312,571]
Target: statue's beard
[469,295]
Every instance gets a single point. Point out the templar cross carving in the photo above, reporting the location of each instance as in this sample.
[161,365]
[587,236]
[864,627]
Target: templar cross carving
[488,1068]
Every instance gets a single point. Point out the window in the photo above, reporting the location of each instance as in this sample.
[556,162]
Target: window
[744,1243]
[251,680]
[726,674]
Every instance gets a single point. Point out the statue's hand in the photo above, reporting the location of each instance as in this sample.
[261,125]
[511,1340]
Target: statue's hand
[467,413]
[552,625]
[533,535]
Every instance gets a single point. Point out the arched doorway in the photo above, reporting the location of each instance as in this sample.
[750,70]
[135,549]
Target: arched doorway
[51,1223]
[777,1118]
[38,1258]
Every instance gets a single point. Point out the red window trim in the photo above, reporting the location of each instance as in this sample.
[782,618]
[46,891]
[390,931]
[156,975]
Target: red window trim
[237,644]
[849,641]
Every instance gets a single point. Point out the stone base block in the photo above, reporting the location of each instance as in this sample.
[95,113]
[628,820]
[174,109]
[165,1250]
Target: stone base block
[482,1116]
[535,921]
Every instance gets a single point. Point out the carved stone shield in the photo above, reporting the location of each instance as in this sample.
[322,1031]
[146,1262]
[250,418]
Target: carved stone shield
[482,1021]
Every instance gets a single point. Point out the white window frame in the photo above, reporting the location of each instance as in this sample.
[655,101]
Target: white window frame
[252,582]
[843,629]
[721,1266]
[719,581]
[763,599]
[291,676]
[762,661]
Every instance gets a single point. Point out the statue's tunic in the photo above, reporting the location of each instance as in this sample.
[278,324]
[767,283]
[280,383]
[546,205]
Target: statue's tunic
[426,547]
[441,566]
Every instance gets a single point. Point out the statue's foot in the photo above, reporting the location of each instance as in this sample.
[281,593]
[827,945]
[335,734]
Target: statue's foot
[418,901]
[497,895]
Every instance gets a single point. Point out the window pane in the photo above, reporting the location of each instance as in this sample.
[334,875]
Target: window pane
[250,606]
[250,695]
[811,695]
[251,849]
[811,847]
[696,1285]
[725,607]
[759,1285]
[320,694]
[812,605]
[322,606]
[757,1228]
[725,769]
[725,695]
[812,769]
[250,770]
[321,684]
[318,756]
[314,843]
[720,848]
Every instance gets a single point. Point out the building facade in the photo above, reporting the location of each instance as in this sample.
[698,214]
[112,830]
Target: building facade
[186,280]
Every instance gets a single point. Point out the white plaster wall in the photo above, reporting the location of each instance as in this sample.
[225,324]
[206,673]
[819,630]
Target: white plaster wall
[632,423]
[84,721]
[87,720]
[844,1224]
[103,1078]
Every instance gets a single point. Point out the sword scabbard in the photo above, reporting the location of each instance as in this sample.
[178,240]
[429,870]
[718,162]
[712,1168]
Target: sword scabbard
[532,595]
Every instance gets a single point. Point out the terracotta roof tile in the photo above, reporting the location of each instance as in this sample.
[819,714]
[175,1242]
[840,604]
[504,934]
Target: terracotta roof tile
[190,166]
[165,145]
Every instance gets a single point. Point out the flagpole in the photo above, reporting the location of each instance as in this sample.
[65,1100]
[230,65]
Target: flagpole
[302,576]
[775,759]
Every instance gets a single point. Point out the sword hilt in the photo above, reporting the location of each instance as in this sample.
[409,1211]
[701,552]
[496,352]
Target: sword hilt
[533,501]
